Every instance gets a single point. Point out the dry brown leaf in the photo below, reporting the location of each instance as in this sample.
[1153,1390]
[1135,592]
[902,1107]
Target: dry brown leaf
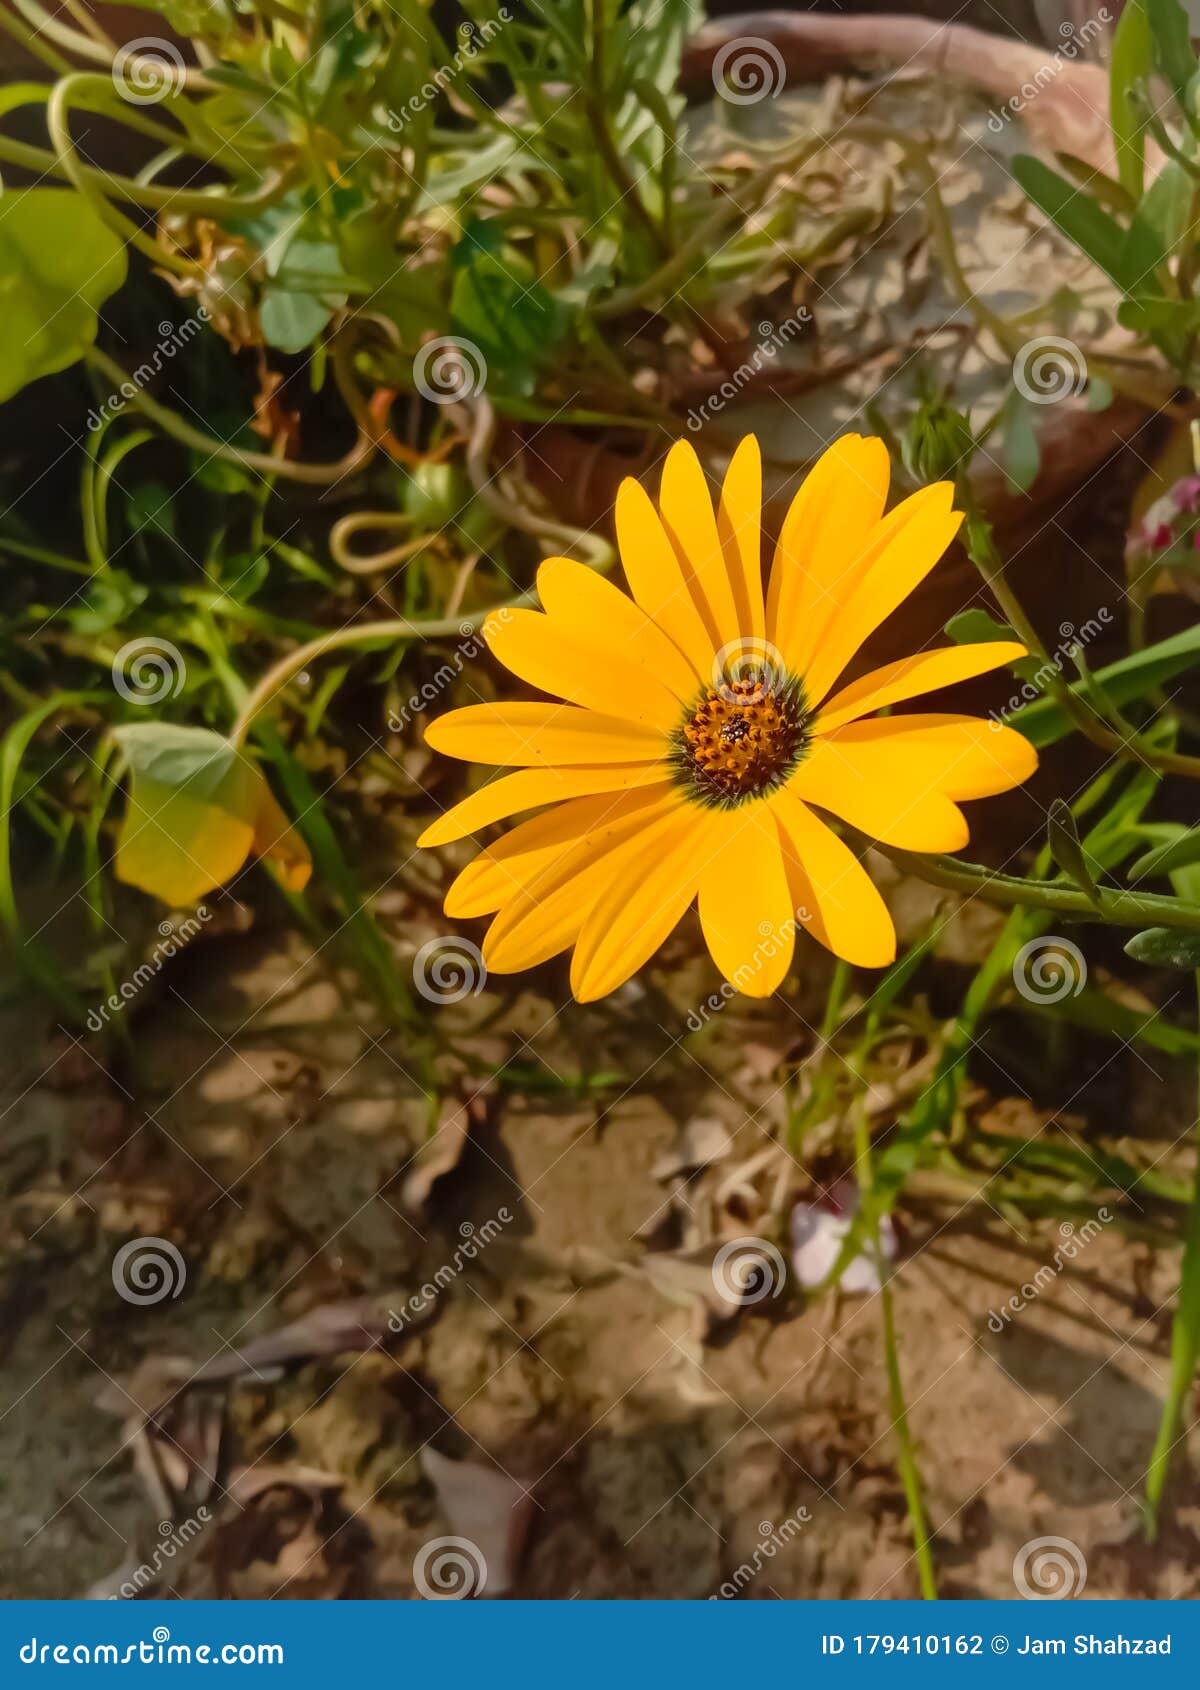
[441,1153]
[701,1141]
[486,1507]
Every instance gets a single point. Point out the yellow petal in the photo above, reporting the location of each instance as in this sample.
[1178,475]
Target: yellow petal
[746,908]
[501,873]
[918,532]
[828,526]
[687,513]
[278,842]
[579,599]
[836,898]
[559,661]
[655,578]
[526,934]
[874,789]
[527,736]
[546,916]
[739,523]
[529,789]
[909,677]
[642,902]
[960,756]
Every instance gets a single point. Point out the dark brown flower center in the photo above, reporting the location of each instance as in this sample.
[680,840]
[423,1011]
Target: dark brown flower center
[743,738]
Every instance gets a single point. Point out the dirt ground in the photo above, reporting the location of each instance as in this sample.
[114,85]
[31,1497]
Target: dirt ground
[267,1124]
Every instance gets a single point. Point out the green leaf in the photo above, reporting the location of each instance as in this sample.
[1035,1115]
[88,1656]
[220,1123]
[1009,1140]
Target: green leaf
[1132,60]
[1158,318]
[1082,220]
[106,600]
[1044,721]
[1022,456]
[174,755]
[191,17]
[292,321]
[295,305]
[58,264]
[976,627]
[150,510]
[899,975]
[219,475]
[1165,947]
[1172,35]
[243,573]
[1161,220]
[498,305]
[1096,1012]
[198,807]
[1065,848]
[1176,853]
[475,164]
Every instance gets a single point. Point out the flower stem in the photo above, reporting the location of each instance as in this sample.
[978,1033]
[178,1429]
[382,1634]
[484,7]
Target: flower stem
[1185,1351]
[359,633]
[982,550]
[906,1460]
[1120,909]
[262,463]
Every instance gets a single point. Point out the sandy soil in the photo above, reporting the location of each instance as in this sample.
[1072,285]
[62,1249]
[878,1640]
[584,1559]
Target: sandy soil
[267,1125]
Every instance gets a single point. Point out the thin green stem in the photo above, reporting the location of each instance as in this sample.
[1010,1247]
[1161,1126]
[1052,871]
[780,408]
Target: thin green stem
[1185,1351]
[314,475]
[981,548]
[1119,909]
[33,43]
[906,1460]
[209,202]
[358,634]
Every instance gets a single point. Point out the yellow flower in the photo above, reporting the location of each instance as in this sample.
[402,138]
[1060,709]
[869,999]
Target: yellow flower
[701,732]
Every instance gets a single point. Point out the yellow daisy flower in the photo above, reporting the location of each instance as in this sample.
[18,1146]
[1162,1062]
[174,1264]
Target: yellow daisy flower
[701,734]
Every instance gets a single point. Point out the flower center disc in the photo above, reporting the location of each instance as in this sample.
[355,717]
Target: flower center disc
[744,738]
